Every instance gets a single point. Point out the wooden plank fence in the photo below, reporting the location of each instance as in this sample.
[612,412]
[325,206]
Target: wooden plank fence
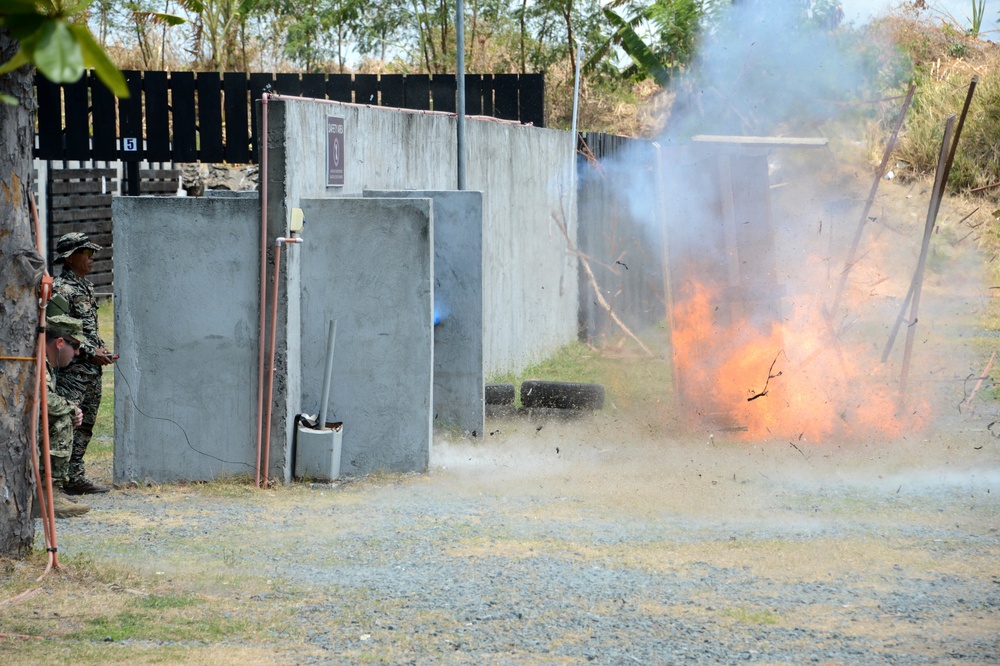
[79,200]
[212,117]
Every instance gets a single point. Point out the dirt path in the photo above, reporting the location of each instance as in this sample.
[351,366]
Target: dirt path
[584,542]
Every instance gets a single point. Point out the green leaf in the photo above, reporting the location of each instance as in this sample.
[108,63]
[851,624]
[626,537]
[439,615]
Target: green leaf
[247,6]
[7,99]
[641,54]
[22,26]
[11,7]
[20,59]
[57,54]
[95,57]
[78,8]
[169,19]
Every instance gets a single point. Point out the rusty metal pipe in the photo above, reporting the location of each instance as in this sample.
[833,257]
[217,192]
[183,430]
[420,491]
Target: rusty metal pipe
[263,281]
[44,490]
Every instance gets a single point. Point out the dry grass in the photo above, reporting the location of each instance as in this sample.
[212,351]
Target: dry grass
[100,612]
[944,62]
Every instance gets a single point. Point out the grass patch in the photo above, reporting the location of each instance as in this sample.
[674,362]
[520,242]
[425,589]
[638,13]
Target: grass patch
[167,620]
[100,452]
[631,378]
[751,616]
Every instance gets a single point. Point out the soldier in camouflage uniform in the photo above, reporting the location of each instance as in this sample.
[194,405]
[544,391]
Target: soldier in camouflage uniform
[80,382]
[62,344]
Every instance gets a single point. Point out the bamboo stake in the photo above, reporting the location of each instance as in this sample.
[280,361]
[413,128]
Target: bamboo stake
[936,197]
[879,174]
[918,278]
[979,383]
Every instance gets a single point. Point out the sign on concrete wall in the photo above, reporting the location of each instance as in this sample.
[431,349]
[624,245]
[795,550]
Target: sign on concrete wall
[334,151]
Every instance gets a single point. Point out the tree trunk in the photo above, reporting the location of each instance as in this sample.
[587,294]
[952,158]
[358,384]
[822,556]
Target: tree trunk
[20,271]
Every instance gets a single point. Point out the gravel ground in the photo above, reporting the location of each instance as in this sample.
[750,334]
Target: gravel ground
[579,543]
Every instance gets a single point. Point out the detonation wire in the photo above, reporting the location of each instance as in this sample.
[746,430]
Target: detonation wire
[187,439]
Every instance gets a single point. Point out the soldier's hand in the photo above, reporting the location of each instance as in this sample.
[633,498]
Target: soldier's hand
[77,417]
[102,357]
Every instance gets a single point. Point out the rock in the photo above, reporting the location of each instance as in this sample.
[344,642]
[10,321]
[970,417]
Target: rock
[196,178]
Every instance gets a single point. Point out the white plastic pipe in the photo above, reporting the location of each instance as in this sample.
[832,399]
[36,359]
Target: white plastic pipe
[331,337]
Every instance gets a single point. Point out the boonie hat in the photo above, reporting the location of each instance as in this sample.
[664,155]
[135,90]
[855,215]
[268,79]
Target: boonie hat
[71,242]
[65,325]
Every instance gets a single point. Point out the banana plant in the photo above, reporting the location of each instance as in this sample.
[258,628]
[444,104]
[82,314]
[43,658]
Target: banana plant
[673,26]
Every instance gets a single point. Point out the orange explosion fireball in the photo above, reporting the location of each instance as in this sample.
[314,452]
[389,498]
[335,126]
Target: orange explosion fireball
[787,378]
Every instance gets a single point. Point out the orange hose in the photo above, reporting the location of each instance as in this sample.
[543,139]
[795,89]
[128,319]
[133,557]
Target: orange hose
[41,398]
[43,506]
[49,509]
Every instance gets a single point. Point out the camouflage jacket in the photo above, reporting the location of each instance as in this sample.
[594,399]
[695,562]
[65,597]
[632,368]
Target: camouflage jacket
[79,292]
[58,405]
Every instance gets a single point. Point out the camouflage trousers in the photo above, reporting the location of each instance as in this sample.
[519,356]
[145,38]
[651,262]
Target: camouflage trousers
[60,448]
[84,389]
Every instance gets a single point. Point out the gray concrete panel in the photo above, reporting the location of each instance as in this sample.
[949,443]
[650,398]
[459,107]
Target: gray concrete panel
[368,264]
[526,175]
[458,306]
[186,320]
[233,194]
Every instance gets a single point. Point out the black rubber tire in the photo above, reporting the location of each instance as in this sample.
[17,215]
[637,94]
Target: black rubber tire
[499,394]
[562,395]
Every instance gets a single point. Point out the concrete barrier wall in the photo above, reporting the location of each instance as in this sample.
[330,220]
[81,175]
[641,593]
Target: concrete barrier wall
[369,265]
[458,307]
[530,291]
[186,322]
[525,174]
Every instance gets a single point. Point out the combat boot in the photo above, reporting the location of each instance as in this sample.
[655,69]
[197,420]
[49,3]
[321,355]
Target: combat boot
[84,486]
[63,505]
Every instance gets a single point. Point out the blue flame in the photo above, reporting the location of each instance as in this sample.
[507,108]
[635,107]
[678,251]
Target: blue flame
[440,313]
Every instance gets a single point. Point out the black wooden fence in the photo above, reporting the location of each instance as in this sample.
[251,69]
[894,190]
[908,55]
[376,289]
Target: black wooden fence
[212,117]
[79,199]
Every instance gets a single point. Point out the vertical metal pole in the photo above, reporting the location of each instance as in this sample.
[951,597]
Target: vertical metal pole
[668,291]
[576,94]
[460,84]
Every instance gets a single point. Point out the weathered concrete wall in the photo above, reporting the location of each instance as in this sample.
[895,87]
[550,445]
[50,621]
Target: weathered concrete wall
[186,321]
[458,307]
[368,264]
[529,288]
[526,177]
